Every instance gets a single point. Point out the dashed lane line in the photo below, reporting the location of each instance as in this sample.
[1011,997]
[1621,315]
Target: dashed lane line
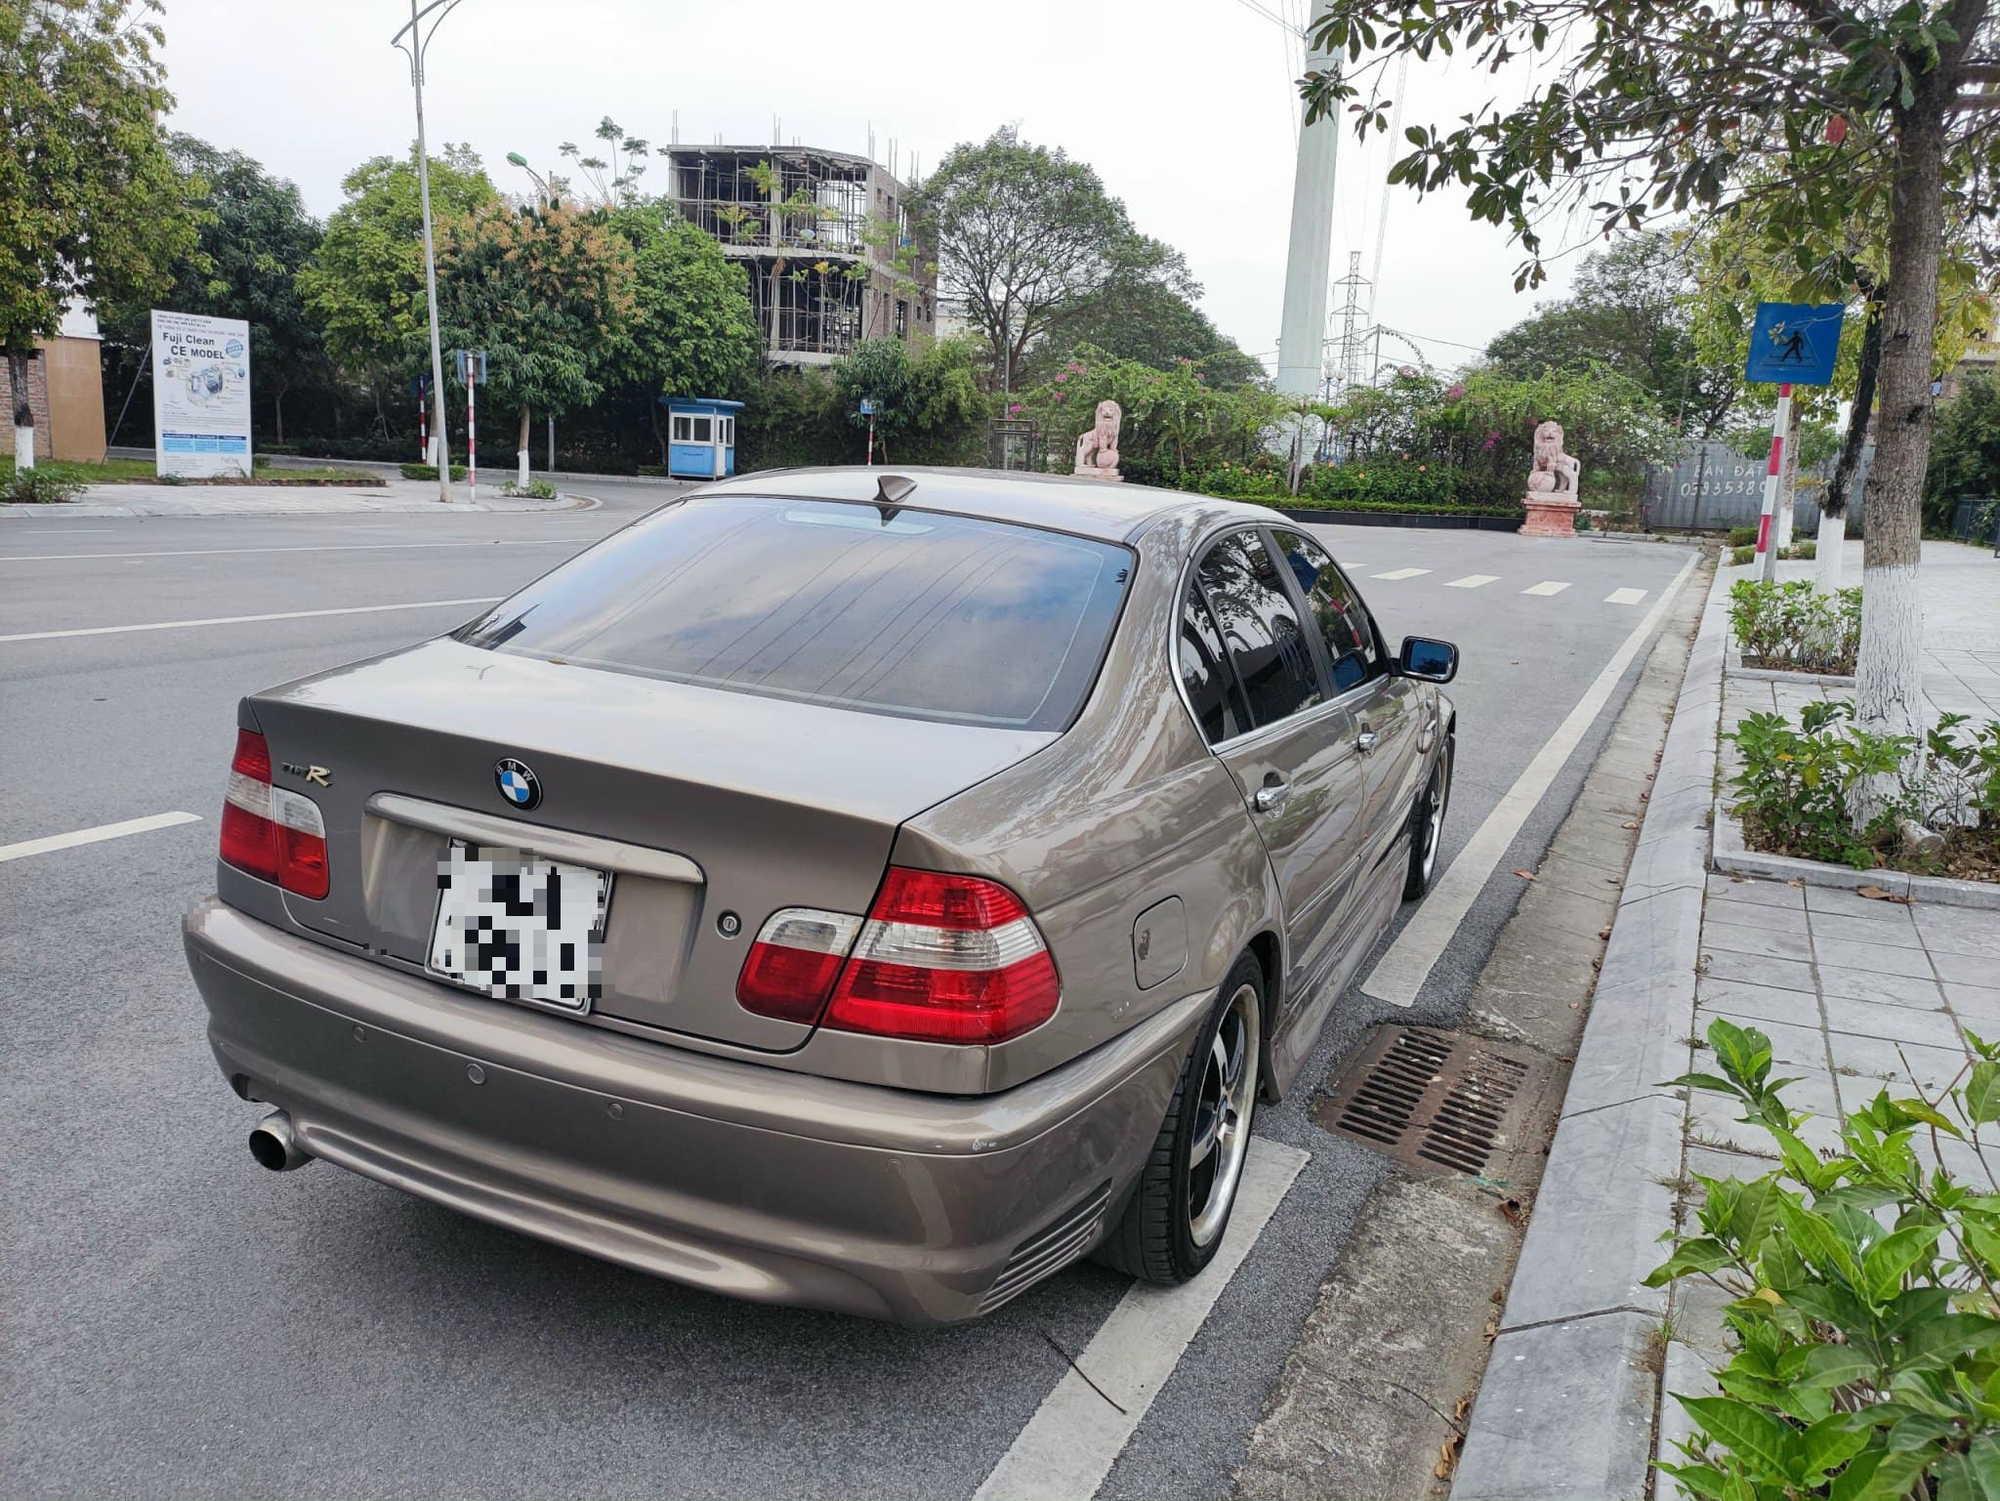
[1402,573]
[1624,596]
[103,831]
[1474,581]
[1547,587]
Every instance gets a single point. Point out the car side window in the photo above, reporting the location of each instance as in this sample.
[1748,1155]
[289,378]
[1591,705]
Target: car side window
[1206,674]
[1341,617]
[1260,629]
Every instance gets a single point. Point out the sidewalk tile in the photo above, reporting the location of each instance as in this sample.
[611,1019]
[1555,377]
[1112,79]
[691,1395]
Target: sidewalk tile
[1840,927]
[1757,915]
[1958,930]
[1645,1045]
[1901,1064]
[1864,985]
[1967,969]
[1897,1023]
[1763,893]
[1792,1045]
[1740,938]
[1876,958]
[1654,934]
[1799,1008]
[1850,904]
[1977,1007]
[1757,969]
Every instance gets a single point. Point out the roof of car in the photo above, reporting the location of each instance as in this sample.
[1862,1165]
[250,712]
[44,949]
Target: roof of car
[1061,502]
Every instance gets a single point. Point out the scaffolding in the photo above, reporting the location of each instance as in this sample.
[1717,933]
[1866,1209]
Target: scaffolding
[820,233]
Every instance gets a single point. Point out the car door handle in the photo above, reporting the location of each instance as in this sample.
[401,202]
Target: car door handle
[1366,741]
[1271,797]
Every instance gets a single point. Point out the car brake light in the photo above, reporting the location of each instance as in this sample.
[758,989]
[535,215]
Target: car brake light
[271,832]
[945,958]
[793,963]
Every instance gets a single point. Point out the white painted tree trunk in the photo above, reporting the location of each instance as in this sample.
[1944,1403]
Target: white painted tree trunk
[24,448]
[1832,533]
[521,448]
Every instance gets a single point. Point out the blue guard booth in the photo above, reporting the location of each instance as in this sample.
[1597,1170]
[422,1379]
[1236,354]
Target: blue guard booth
[701,436]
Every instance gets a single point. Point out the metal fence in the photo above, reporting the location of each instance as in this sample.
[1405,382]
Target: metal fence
[1977,521]
[1712,486]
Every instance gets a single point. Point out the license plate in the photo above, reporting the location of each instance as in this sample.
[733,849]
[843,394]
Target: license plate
[519,928]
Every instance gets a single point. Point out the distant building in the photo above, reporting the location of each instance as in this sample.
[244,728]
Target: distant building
[65,391]
[1981,355]
[825,238]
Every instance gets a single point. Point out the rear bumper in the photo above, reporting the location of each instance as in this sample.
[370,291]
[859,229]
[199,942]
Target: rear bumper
[725,1175]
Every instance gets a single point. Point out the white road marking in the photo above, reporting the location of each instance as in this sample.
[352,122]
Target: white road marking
[213,552]
[1401,573]
[1075,1436]
[92,836]
[60,531]
[176,625]
[1401,972]
[1473,581]
[1624,596]
[1547,586]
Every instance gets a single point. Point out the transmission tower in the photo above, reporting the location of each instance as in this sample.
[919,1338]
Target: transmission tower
[1349,348]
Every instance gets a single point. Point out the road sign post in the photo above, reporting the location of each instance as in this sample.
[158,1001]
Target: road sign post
[471,370]
[868,411]
[1792,344]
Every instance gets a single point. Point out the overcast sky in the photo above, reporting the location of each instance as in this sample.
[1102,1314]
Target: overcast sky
[1184,107]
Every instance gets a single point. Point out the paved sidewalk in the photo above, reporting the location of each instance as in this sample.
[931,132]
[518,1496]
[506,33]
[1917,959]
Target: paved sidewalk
[397,496]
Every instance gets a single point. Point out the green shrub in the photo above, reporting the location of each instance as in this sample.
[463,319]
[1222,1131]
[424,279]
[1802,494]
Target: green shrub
[1741,555]
[1743,536]
[1794,782]
[1866,1323]
[1805,550]
[1794,627]
[429,471]
[43,485]
[537,489]
[1962,775]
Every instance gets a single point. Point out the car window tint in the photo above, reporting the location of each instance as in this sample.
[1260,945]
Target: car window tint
[1211,688]
[1260,628]
[891,611]
[1343,622]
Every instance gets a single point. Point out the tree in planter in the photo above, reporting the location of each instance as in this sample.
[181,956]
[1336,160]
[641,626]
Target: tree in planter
[255,235]
[91,208]
[545,294]
[692,332]
[1641,109]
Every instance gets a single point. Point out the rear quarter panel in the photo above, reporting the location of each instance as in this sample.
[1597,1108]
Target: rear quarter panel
[1126,810]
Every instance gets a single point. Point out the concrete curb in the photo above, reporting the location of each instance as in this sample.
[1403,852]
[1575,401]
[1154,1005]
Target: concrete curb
[1735,668]
[100,510]
[1569,1403]
[1733,858]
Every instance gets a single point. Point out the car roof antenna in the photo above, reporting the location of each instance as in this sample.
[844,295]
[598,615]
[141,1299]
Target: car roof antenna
[890,493]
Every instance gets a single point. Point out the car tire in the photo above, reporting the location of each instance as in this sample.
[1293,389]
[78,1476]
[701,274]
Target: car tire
[1179,1209]
[1427,824]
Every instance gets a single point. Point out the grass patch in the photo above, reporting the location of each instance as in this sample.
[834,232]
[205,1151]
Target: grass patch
[142,472]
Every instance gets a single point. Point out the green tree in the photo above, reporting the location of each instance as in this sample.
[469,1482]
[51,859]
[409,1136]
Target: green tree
[1148,319]
[1628,309]
[608,184]
[545,293]
[1831,112]
[365,283]
[1965,455]
[90,205]
[254,237]
[1026,237]
[692,331]
[928,408]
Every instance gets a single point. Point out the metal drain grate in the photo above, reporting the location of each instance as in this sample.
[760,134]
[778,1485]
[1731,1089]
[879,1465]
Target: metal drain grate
[1432,1099]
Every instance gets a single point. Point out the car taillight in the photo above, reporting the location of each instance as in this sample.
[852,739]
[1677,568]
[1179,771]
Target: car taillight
[793,963]
[945,958]
[271,832]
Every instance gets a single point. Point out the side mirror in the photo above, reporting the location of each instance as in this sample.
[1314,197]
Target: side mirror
[1433,661]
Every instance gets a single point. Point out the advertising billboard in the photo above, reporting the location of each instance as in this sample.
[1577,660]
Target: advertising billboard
[201,395]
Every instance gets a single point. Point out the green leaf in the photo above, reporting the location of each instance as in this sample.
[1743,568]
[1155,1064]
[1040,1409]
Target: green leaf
[1835,1365]
[1982,1093]
[1755,1437]
[1877,1475]
[1701,1255]
[1823,1248]
[1829,1444]
[1892,1257]
[1744,1052]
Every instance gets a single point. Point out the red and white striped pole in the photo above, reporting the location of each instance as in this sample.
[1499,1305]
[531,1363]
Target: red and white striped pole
[473,451]
[424,454]
[1767,555]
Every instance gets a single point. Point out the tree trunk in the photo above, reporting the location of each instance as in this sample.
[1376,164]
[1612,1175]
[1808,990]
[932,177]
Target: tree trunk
[522,447]
[24,411]
[1833,509]
[1889,675]
[278,412]
[659,434]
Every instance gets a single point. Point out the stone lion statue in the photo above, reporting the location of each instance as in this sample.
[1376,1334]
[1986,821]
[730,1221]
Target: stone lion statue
[1553,472]
[1097,448]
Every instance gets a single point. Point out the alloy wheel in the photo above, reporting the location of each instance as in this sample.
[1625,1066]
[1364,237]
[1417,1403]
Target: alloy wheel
[1222,1117]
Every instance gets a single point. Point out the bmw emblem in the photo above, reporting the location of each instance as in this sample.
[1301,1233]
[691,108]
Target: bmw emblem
[517,784]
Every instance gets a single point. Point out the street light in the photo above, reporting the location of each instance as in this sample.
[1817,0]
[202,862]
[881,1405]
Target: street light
[548,193]
[418,44]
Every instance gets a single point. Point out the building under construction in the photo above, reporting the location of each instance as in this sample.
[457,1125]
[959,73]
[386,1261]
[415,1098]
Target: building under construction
[825,238]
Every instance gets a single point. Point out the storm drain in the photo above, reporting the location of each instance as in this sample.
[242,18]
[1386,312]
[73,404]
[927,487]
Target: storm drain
[1437,1101]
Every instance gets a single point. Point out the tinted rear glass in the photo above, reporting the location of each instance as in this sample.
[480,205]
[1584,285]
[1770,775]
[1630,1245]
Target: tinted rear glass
[918,614]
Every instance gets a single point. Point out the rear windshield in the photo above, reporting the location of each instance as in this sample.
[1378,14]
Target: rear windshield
[892,611]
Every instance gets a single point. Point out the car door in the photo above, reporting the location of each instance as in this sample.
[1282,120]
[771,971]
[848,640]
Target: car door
[1275,726]
[1390,711]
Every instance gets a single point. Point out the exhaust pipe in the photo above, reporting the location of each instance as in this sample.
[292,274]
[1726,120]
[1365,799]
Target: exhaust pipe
[274,1145]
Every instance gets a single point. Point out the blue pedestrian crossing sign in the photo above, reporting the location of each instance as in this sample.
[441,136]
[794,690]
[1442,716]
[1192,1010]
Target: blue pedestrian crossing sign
[1795,342]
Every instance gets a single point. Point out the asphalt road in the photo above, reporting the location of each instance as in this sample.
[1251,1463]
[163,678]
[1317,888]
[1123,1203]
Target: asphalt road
[177,1321]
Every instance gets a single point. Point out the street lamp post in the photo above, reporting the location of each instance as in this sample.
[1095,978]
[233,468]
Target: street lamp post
[548,193]
[418,44]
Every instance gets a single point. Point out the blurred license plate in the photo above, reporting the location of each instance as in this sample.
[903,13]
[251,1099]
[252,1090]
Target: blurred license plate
[520,928]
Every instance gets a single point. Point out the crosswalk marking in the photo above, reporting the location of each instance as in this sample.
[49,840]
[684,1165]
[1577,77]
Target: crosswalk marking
[1546,586]
[1624,596]
[1473,581]
[1402,573]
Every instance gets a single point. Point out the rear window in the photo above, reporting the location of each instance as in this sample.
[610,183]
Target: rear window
[892,611]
